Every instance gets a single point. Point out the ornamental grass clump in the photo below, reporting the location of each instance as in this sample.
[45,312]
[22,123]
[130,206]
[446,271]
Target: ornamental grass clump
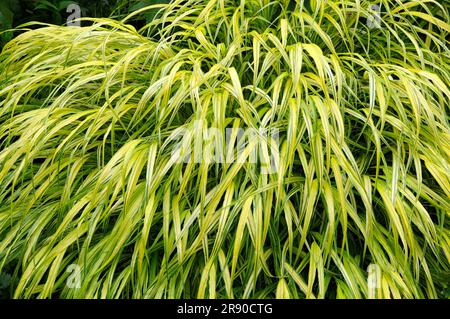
[97,124]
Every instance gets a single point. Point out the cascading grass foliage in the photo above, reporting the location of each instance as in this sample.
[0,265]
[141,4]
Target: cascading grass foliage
[87,175]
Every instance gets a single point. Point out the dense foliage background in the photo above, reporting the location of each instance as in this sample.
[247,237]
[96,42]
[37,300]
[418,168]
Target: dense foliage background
[13,13]
[88,118]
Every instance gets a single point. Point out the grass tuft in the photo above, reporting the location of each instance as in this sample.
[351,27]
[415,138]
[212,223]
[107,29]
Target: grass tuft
[88,118]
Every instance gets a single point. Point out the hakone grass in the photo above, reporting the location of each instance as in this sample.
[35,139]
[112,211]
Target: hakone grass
[87,176]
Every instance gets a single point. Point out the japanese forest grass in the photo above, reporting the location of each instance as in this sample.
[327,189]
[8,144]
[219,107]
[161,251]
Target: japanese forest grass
[87,176]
